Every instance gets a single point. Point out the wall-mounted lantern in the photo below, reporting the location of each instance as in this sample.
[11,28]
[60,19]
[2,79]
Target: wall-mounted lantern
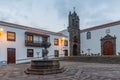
[1,31]
[62,40]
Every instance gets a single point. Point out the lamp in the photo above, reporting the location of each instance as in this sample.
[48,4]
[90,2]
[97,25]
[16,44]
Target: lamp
[62,40]
[1,30]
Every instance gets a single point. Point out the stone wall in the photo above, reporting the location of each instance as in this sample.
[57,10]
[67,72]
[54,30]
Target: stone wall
[93,59]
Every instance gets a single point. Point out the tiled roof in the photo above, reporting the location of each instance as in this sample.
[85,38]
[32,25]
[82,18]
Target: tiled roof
[36,33]
[45,32]
[29,29]
[102,26]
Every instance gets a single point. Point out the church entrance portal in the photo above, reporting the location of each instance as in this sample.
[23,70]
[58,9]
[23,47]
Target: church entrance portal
[108,48]
[108,45]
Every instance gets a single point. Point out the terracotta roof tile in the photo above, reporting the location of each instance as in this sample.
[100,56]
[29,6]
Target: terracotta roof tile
[102,26]
[29,29]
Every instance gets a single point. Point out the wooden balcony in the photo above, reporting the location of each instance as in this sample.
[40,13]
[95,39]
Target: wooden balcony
[33,43]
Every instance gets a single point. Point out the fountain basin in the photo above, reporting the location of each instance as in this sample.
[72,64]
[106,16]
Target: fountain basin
[41,67]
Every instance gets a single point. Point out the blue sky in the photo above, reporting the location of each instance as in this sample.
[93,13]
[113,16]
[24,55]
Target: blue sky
[53,14]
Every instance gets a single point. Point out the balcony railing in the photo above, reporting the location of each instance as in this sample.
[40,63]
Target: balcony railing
[33,43]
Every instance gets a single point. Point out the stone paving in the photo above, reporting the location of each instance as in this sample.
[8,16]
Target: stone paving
[74,71]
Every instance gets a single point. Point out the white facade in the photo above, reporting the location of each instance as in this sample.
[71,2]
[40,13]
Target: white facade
[88,46]
[19,43]
[93,45]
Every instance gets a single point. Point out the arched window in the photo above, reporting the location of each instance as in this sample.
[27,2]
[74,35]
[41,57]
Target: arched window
[88,35]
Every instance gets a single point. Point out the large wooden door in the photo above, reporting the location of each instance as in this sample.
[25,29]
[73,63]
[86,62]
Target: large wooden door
[108,48]
[11,57]
[65,52]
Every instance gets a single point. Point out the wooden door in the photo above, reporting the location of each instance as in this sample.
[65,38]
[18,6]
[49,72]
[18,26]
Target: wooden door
[11,57]
[65,52]
[108,48]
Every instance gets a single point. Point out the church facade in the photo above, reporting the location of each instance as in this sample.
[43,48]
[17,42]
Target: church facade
[99,40]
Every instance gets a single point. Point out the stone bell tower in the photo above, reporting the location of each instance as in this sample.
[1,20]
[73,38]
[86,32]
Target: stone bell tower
[74,34]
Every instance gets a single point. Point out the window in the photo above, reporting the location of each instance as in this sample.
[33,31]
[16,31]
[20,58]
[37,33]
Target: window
[66,43]
[29,38]
[11,36]
[56,42]
[88,35]
[44,39]
[56,53]
[29,52]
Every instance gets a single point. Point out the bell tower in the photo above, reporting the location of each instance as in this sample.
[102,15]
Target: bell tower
[74,34]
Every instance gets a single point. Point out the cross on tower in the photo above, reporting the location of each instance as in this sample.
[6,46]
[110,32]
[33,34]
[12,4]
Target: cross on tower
[73,8]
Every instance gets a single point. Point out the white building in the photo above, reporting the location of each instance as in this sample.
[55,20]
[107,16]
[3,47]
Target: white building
[21,43]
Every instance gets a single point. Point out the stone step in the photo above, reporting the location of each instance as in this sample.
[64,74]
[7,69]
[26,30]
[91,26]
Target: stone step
[31,69]
[44,72]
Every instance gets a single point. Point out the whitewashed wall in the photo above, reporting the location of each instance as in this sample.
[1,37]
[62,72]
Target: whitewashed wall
[19,45]
[59,47]
[21,49]
[94,44]
[66,33]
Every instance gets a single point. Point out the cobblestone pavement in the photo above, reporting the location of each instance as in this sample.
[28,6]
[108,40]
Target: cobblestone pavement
[74,71]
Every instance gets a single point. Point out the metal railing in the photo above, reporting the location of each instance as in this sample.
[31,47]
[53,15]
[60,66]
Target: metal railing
[33,43]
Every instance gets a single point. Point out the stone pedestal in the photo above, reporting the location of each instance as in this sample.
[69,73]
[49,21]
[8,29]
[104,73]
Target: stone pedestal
[42,67]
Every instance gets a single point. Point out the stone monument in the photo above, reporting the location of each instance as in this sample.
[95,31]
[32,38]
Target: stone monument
[46,65]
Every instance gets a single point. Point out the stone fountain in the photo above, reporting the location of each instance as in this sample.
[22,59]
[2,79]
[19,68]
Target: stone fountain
[45,65]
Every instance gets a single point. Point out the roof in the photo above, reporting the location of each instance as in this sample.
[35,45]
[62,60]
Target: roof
[30,29]
[45,32]
[102,26]
[36,33]
[112,24]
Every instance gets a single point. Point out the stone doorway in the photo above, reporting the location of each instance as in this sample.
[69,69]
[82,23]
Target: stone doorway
[74,50]
[11,57]
[108,45]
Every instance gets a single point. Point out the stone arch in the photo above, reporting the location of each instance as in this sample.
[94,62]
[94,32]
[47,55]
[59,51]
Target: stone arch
[108,45]
[75,50]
